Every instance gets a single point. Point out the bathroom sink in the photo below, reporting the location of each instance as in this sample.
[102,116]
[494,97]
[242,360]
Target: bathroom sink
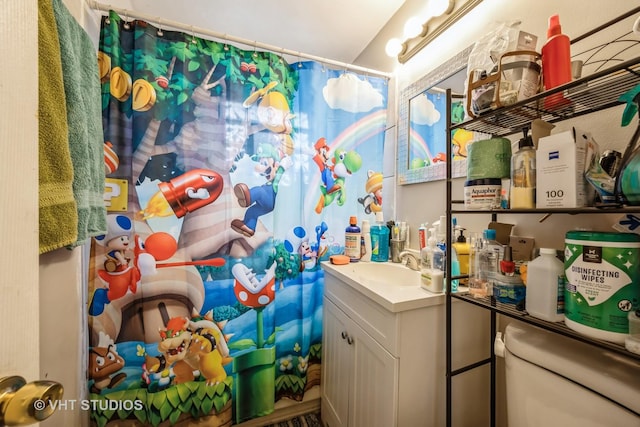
[386,273]
[394,286]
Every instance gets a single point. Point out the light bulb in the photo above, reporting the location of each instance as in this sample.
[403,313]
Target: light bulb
[393,47]
[412,28]
[438,7]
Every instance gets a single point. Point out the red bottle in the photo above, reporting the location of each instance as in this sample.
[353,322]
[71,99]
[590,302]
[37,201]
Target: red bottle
[556,62]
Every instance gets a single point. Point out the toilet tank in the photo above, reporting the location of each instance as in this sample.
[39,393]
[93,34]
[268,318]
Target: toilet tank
[552,380]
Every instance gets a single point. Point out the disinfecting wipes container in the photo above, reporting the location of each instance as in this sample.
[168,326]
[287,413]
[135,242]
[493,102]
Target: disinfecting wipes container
[603,283]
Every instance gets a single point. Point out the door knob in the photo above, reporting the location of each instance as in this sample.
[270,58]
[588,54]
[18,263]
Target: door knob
[23,403]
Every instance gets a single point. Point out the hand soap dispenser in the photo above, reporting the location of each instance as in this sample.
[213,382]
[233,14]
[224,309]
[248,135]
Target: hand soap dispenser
[523,175]
[432,265]
[462,251]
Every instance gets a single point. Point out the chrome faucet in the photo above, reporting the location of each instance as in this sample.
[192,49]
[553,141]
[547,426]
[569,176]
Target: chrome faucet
[410,259]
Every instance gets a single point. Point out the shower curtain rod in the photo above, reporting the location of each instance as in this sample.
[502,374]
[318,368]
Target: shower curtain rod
[227,38]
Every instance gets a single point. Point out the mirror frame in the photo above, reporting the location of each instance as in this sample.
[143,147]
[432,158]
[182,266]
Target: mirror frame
[437,171]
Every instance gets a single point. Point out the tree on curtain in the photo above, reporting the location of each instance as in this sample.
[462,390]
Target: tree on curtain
[230,176]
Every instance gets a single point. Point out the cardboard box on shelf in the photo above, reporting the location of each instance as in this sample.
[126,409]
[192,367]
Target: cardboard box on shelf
[560,167]
[521,248]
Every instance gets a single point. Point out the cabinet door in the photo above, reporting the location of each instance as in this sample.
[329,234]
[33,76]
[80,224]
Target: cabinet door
[374,398]
[337,365]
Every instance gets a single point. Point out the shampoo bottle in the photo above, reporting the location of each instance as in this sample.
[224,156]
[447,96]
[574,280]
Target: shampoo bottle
[352,239]
[556,62]
[379,240]
[365,255]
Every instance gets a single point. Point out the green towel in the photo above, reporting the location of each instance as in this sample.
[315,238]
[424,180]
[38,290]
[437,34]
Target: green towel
[58,218]
[84,120]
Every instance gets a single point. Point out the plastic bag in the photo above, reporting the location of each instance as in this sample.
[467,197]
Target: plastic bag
[483,61]
[487,51]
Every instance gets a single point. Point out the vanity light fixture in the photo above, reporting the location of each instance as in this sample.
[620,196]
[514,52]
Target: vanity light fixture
[420,30]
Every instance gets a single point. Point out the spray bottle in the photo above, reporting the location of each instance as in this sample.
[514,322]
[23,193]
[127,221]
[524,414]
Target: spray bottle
[556,62]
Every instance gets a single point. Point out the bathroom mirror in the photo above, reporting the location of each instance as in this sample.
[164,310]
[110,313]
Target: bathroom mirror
[422,123]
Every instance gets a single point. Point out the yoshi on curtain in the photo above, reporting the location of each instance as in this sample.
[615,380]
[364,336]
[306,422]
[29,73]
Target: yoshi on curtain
[230,176]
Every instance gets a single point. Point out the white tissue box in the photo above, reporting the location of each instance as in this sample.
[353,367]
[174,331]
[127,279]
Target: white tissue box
[560,167]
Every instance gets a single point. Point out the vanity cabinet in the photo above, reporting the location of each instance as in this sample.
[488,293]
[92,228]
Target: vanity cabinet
[383,355]
[590,94]
[358,383]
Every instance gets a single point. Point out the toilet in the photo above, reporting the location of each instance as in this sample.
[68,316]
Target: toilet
[552,380]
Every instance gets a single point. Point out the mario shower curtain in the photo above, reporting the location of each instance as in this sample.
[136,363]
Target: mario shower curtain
[230,176]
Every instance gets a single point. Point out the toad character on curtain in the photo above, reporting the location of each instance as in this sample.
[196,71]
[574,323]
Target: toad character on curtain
[209,154]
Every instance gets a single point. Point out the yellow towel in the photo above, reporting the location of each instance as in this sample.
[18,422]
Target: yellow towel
[57,210]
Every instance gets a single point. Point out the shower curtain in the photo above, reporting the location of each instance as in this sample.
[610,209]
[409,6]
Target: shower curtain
[230,176]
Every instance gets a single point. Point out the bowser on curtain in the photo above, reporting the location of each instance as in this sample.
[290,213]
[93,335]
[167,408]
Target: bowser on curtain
[206,299]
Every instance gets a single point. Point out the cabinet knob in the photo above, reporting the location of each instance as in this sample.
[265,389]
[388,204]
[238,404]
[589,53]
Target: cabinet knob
[344,334]
[349,340]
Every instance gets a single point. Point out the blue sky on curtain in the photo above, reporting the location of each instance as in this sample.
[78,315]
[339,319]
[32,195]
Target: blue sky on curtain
[230,176]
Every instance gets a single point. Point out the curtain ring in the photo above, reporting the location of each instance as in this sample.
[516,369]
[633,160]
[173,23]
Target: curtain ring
[193,36]
[255,48]
[159,32]
[226,46]
[126,20]
[108,19]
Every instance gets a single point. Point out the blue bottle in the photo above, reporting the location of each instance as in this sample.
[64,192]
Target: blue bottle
[379,240]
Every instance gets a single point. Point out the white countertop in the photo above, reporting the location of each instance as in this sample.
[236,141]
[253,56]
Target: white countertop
[394,297]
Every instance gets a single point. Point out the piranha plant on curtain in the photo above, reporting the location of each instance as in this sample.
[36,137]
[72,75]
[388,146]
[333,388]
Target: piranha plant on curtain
[255,391]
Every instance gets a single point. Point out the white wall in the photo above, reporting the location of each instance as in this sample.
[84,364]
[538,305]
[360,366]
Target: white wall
[19,313]
[426,202]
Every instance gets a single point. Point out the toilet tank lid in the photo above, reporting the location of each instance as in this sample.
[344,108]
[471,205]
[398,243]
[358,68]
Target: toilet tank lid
[611,374]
